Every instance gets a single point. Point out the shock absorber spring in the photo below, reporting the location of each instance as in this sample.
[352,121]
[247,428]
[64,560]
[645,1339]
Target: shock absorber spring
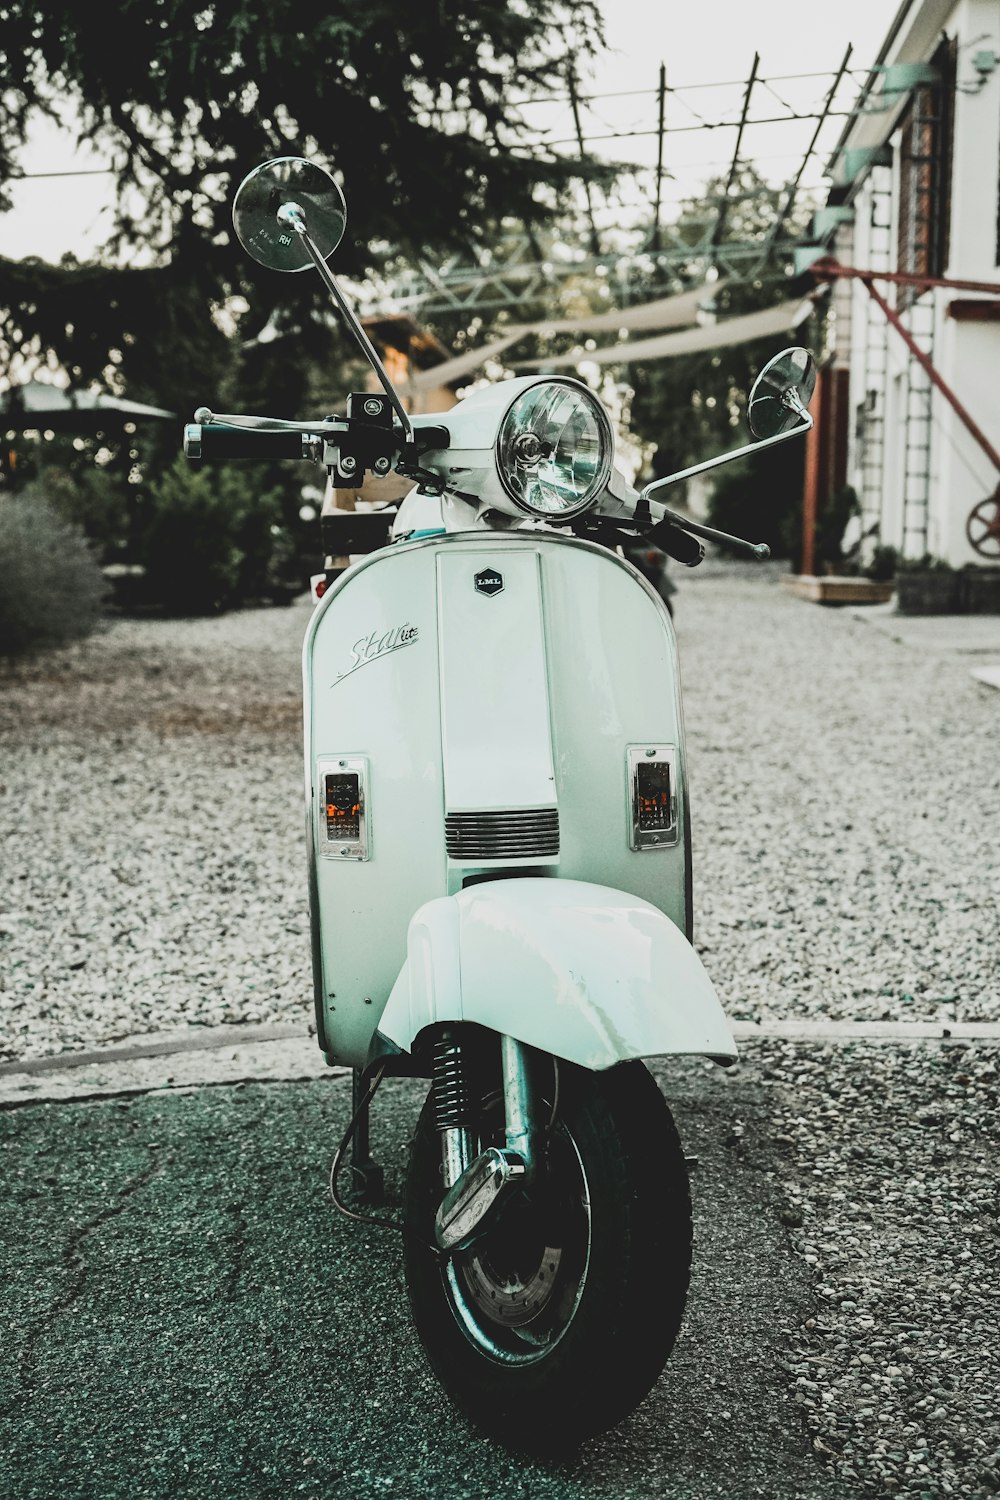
[452,1103]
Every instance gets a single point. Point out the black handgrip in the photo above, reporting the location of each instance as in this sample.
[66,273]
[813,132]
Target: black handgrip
[680,545]
[425,439]
[218,440]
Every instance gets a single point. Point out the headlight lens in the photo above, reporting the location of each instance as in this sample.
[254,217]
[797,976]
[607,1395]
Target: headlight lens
[554,449]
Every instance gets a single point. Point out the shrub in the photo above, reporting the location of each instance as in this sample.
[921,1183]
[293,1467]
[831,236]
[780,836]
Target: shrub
[760,497]
[96,500]
[926,564]
[51,585]
[883,564]
[211,541]
[831,525]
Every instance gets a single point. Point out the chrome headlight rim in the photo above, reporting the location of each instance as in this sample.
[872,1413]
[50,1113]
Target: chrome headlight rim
[603,473]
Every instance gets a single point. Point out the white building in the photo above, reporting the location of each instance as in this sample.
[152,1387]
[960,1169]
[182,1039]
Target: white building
[916,191]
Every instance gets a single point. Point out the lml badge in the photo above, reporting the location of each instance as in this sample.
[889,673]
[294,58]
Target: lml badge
[489,581]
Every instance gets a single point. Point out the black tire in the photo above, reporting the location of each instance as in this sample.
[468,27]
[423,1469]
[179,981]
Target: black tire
[590,1268]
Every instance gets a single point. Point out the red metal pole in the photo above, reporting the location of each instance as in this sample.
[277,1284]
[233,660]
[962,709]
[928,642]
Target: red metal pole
[826,456]
[814,477]
[925,364]
[832,270]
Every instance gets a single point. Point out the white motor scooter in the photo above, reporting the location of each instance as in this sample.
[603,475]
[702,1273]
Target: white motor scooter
[500,870]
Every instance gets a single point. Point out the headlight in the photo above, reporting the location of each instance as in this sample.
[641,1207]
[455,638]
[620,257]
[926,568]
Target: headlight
[554,449]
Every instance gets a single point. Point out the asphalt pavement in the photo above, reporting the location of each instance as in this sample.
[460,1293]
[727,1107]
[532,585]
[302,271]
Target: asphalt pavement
[186,1314]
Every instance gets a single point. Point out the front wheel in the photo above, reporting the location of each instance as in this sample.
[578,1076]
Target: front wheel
[555,1324]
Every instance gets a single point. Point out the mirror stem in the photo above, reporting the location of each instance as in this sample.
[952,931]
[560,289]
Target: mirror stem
[291,214]
[727,458]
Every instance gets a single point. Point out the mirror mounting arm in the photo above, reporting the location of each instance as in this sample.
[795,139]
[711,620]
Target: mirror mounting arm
[292,215]
[727,458]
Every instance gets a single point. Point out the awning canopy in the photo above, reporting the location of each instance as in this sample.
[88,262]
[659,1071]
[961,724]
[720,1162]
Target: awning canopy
[38,404]
[666,312]
[785,318]
[463,364]
[677,311]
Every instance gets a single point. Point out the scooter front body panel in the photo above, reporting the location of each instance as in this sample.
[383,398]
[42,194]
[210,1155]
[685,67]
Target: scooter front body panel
[476,705]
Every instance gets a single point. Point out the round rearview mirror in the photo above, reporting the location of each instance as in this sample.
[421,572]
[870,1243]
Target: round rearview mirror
[781,393]
[269,187]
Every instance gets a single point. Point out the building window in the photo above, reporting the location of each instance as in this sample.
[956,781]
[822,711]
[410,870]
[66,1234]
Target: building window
[923,221]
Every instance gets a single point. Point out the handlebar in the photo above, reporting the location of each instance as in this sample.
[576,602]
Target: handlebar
[672,533]
[354,444]
[678,544]
[218,440]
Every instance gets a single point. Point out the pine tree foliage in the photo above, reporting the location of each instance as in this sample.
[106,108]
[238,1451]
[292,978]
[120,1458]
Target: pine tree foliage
[413,105]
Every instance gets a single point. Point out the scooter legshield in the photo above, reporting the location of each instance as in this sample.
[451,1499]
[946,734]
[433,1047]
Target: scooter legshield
[587,973]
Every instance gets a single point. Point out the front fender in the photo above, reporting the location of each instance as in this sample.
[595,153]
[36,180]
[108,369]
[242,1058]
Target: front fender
[581,971]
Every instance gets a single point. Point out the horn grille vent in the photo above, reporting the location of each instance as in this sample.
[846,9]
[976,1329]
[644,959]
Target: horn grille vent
[528,834]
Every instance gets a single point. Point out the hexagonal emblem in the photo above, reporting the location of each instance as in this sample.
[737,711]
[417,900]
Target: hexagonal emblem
[489,581]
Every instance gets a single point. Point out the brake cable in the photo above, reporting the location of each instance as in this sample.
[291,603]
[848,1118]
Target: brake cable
[338,1161]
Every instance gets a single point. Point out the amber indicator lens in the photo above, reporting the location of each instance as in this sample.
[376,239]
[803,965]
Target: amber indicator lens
[342,796]
[653,796]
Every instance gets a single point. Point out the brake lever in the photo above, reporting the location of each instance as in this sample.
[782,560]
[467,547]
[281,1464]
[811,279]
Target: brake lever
[670,519]
[622,503]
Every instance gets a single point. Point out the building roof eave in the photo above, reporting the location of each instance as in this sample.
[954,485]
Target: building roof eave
[912,43]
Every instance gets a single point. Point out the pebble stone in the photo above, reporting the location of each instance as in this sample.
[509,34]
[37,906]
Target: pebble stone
[153,829]
[884,1170]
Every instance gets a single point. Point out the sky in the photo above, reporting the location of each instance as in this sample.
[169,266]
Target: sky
[711,42]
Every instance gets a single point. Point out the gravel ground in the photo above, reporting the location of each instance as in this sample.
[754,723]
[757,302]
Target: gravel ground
[880,1159]
[884,1161]
[844,792]
[186,1315]
[153,829]
[845,796]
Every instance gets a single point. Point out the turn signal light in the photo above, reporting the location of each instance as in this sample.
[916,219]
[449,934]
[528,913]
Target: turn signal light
[653,796]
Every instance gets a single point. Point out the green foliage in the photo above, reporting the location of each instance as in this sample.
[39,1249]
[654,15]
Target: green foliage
[834,514]
[413,104]
[212,541]
[51,586]
[883,564]
[693,406]
[95,499]
[926,564]
[760,498]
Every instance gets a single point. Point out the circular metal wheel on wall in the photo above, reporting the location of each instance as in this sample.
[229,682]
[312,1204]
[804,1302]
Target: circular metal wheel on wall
[983,526]
[556,1323]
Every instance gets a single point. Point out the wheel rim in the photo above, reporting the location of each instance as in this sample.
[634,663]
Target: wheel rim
[516,1292]
[983,527]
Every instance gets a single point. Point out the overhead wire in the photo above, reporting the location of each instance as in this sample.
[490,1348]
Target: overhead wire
[676,90]
[687,88]
[726,119]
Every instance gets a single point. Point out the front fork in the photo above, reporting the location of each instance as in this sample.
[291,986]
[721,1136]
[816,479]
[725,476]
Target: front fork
[476,1181]
[519,1103]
